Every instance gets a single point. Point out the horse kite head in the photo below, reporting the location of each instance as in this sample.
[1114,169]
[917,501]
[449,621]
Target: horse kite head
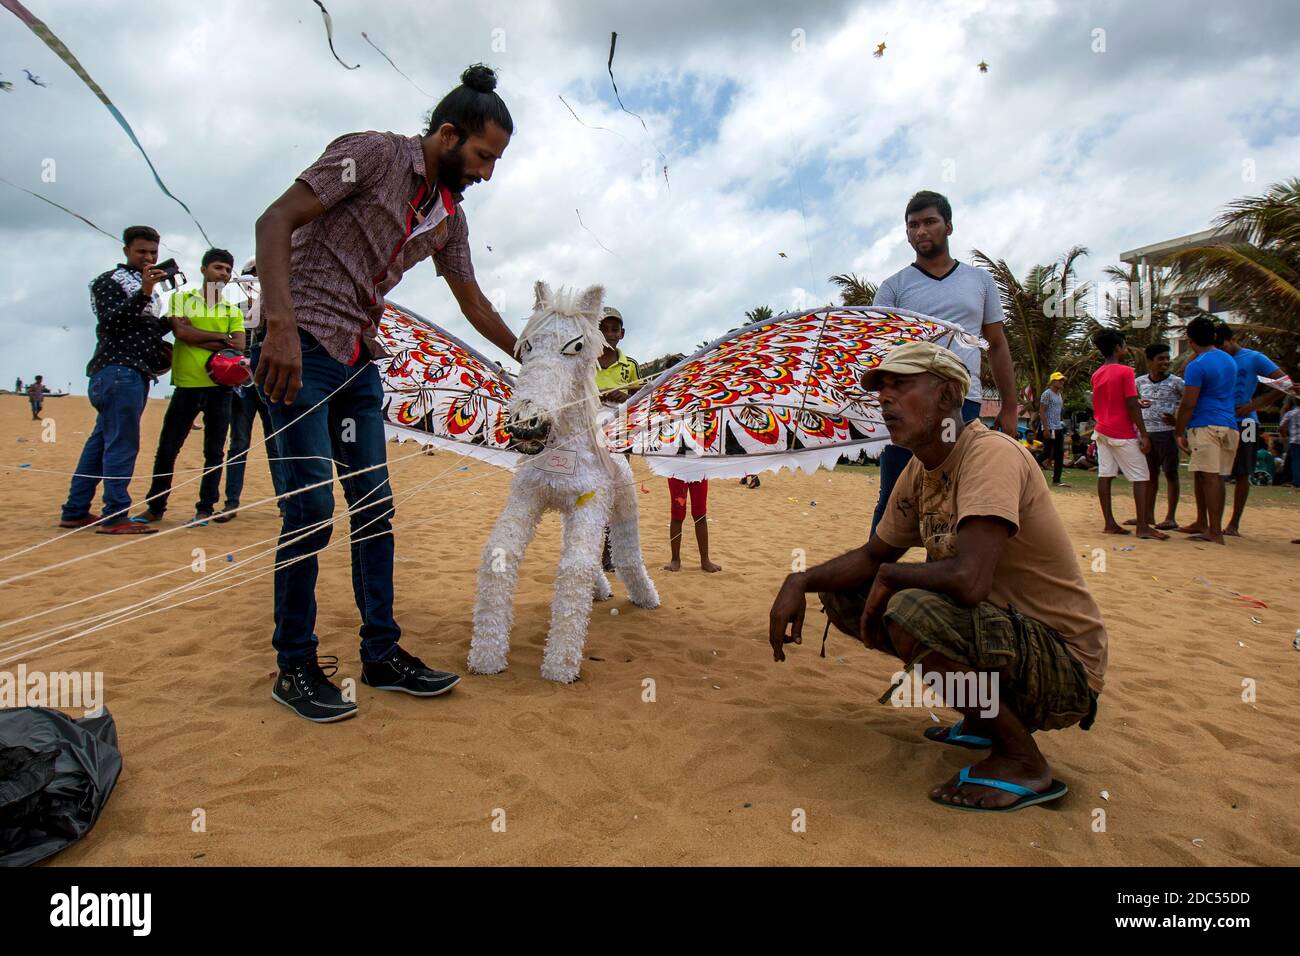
[558,351]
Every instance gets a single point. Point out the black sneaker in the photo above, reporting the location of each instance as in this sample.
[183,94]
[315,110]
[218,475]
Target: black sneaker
[407,673]
[307,689]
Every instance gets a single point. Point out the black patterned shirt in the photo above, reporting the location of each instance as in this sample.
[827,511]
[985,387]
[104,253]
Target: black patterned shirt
[128,328]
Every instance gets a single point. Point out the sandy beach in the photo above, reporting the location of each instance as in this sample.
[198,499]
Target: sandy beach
[714,769]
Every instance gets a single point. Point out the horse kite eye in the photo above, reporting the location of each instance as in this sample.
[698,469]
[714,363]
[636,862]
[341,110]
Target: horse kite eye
[528,346]
[573,347]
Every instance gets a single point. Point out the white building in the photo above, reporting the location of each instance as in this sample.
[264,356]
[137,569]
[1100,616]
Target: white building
[1149,258]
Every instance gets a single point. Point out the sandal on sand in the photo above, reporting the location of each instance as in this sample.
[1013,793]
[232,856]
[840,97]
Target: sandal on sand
[78,522]
[955,737]
[222,517]
[149,517]
[1055,790]
[127,527]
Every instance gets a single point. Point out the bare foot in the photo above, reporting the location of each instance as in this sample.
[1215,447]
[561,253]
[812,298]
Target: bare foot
[1169,524]
[1036,775]
[1207,538]
[1131,521]
[1152,534]
[1192,528]
[1231,531]
[1115,529]
[710,567]
[673,566]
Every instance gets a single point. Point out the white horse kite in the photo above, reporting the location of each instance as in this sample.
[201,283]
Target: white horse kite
[555,401]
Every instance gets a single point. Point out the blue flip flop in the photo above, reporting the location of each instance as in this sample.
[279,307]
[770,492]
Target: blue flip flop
[1055,790]
[957,738]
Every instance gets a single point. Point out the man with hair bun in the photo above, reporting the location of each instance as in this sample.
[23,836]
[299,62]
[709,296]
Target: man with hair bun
[372,207]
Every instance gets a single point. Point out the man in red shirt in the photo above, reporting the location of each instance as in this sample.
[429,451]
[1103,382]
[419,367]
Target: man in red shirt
[1122,440]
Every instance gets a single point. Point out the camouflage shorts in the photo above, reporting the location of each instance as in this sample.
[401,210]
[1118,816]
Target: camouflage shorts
[1038,679]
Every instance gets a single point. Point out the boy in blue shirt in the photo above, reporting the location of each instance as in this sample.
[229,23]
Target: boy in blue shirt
[1206,427]
[1250,365]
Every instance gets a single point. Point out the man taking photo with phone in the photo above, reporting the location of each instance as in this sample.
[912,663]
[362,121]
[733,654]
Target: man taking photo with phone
[129,353]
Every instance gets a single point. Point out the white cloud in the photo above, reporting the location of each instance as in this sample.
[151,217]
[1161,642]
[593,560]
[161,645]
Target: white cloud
[1055,145]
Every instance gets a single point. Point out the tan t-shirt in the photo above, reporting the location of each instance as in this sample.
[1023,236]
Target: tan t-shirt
[989,473]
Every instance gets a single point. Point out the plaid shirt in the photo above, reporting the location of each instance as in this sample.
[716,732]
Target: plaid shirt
[1290,426]
[346,259]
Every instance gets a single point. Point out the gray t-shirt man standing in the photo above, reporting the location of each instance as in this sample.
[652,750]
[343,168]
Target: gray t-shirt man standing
[938,285]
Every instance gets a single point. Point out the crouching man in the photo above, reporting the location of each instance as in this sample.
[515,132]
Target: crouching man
[1000,593]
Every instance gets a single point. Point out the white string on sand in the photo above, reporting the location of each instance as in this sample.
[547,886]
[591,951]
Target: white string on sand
[242,573]
[309,529]
[133,477]
[137,539]
[257,444]
[124,615]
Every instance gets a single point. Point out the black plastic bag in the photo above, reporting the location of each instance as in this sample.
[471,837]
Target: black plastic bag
[56,774]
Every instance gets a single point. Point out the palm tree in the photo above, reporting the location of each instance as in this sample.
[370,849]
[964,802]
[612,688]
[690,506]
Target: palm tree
[760,313]
[1047,321]
[1258,276]
[853,290]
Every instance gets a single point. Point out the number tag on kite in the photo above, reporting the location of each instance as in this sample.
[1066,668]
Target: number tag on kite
[558,462]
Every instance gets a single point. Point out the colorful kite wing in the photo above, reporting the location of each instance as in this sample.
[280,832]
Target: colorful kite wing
[784,393]
[439,391]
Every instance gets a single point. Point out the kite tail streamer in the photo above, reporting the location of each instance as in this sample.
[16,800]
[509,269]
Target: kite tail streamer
[394,65]
[329,36]
[63,53]
[57,206]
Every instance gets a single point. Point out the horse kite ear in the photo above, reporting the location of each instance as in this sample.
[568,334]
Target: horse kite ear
[591,301]
[543,293]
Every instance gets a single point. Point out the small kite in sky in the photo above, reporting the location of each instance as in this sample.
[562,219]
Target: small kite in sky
[6,86]
[983,67]
[783,255]
[880,50]
[35,79]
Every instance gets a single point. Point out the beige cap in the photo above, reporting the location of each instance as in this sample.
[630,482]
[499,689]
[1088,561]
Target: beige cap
[913,358]
[609,312]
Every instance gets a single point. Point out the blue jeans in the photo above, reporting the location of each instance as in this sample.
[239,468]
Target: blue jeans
[118,393]
[353,412]
[245,405]
[895,458]
[1295,464]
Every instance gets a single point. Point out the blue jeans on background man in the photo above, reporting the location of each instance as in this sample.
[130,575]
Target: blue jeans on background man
[118,393]
[309,437]
[895,458]
[245,405]
[1295,463]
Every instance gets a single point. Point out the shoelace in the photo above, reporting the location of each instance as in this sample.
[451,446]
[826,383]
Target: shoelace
[314,674]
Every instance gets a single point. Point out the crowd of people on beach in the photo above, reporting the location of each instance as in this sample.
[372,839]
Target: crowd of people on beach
[1001,592]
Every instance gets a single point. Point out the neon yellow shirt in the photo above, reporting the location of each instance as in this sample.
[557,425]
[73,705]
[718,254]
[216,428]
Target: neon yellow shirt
[189,362]
[619,375]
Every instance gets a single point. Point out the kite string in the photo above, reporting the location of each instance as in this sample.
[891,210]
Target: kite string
[183,527]
[301,535]
[257,443]
[244,574]
[242,548]
[46,35]
[310,529]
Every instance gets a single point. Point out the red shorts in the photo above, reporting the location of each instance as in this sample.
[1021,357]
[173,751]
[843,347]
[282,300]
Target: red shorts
[699,495]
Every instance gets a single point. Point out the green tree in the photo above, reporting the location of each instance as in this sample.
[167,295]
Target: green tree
[760,313]
[1258,276]
[854,290]
[1047,321]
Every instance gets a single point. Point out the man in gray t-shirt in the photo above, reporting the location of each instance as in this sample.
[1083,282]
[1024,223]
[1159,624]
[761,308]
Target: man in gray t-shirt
[1050,407]
[938,285]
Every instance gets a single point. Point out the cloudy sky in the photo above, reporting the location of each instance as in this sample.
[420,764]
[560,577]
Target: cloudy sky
[1110,125]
